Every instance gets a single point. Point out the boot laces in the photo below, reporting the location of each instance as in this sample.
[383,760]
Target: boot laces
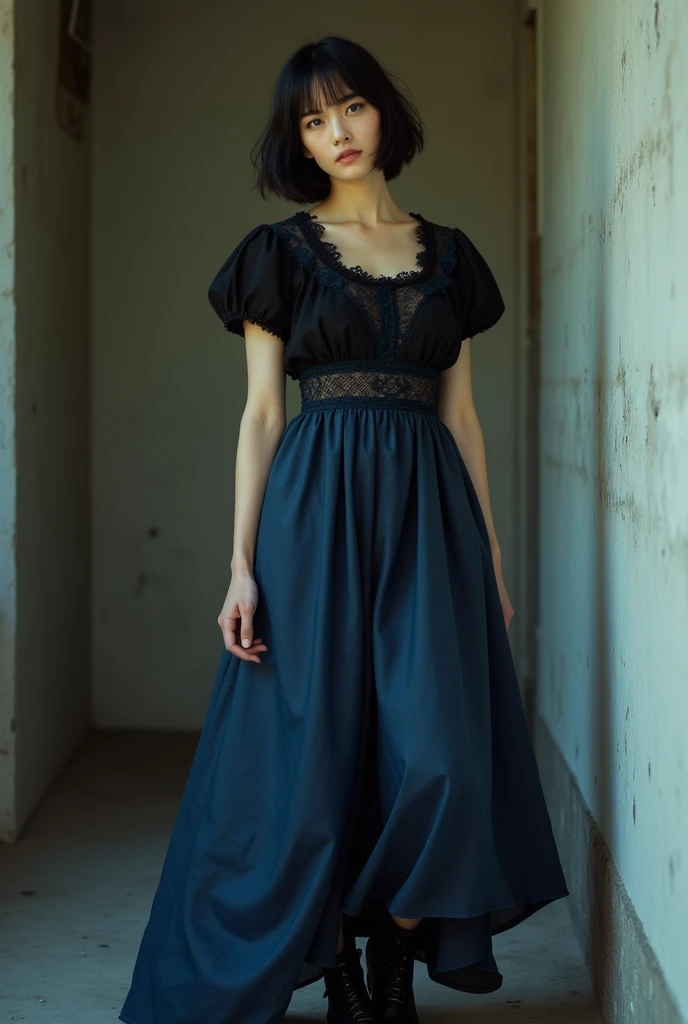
[358,1009]
[401,980]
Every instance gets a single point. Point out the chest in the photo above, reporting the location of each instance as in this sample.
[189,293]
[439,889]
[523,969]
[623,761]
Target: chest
[338,302]
[382,254]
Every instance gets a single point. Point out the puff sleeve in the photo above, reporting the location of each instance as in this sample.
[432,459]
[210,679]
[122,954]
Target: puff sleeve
[254,283]
[480,300]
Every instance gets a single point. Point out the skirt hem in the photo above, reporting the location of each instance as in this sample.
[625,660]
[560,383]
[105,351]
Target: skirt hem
[533,904]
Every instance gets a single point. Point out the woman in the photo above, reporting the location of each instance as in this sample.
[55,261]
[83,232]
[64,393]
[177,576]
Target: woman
[365,767]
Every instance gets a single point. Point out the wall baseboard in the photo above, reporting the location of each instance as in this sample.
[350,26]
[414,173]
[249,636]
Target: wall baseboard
[628,981]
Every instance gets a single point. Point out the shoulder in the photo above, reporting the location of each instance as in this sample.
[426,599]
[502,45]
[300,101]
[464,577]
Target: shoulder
[466,245]
[481,298]
[457,234]
[454,236]
[259,252]
[261,237]
[478,294]
[255,282]
[455,248]
[457,256]
[468,254]
[288,230]
[285,222]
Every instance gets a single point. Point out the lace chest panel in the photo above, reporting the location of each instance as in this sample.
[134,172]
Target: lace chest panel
[389,304]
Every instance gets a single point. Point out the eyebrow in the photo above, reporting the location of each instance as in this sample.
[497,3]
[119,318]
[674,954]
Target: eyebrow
[343,99]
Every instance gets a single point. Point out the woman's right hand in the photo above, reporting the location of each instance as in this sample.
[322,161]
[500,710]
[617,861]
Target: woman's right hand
[240,604]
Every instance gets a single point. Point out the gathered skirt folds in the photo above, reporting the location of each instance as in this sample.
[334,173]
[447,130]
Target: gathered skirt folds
[378,758]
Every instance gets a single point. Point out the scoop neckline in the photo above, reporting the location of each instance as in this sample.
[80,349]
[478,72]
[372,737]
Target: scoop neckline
[425,257]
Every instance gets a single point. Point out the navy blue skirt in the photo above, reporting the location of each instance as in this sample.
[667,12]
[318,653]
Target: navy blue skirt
[378,758]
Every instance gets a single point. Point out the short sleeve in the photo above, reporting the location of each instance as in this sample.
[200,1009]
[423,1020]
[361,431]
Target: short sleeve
[254,283]
[479,296]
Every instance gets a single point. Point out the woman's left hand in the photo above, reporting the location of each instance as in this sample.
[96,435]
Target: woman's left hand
[507,610]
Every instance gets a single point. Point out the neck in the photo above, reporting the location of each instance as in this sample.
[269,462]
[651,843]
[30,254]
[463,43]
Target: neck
[367,201]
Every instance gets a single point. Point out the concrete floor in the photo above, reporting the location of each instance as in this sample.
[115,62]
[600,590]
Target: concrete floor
[76,889]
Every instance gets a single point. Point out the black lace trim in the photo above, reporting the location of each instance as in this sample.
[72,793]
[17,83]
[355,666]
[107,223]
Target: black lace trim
[229,322]
[334,257]
[368,382]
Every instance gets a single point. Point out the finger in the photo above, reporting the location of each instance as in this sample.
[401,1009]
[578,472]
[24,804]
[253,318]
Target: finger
[245,655]
[246,627]
[242,654]
[229,634]
[257,645]
[231,640]
[227,625]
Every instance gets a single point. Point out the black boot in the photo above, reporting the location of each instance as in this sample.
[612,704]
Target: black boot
[349,1001]
[390,961]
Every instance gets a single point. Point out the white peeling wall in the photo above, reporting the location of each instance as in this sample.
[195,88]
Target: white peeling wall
[613,668]
[8,482]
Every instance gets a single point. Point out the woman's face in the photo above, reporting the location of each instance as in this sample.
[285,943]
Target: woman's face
[328,131]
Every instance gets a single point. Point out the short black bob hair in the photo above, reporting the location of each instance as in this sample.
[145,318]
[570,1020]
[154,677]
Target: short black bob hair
[282,168]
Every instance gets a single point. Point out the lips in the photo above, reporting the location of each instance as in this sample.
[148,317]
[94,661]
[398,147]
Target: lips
[347,152]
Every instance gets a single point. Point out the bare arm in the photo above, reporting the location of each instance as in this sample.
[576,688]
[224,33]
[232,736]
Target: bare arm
[262,424]
[457,410]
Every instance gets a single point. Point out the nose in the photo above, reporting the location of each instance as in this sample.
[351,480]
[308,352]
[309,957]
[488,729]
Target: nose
[340,131]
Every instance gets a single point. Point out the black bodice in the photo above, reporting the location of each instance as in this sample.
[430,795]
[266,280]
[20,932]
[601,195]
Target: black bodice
[287,279]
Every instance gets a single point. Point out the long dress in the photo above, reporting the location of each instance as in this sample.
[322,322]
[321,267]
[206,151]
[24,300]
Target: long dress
[378,756]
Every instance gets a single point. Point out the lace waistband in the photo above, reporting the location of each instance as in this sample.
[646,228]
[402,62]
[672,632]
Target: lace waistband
[370,383]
